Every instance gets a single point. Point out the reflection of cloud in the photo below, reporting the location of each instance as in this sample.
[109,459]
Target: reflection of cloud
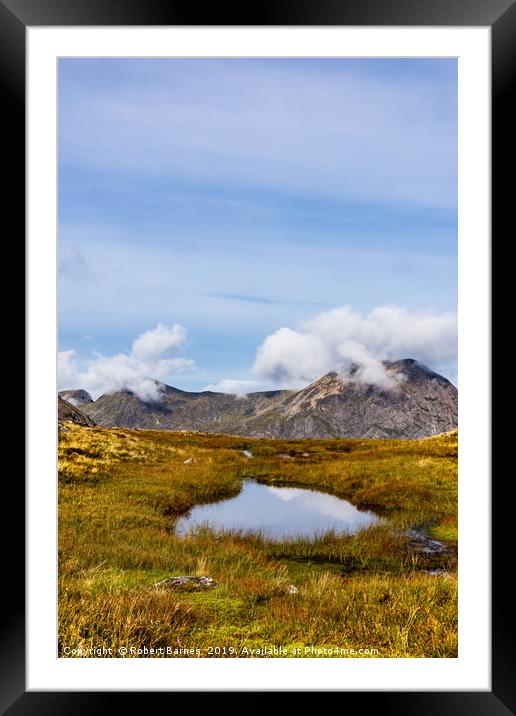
[324,504]
[285,493]
[333,507]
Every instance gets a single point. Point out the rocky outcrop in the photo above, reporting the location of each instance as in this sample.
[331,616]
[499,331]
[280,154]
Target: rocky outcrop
[68,413]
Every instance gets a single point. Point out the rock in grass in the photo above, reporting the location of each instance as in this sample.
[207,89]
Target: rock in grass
[419,541]
[189,461]
[292,589]
[187,584]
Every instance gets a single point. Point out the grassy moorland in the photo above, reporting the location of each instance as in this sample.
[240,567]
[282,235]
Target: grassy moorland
[121,491]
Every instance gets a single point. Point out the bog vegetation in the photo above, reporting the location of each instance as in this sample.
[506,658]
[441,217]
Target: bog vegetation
[121,492]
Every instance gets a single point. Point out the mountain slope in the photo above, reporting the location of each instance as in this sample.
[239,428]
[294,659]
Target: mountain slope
[181,410]
[66,412]
[420,404]
[76,397]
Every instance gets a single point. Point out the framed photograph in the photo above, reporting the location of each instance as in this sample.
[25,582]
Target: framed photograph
[258,356]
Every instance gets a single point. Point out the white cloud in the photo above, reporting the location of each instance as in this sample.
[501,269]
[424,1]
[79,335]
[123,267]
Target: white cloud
[157,341]
[66,369]
[337,339]
[235,387]
[139,371]
[333,340]
[288,355]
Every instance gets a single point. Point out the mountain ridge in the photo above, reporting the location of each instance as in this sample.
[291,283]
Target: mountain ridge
[420,403]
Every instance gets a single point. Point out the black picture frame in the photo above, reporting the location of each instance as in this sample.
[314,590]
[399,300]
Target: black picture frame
[500,16]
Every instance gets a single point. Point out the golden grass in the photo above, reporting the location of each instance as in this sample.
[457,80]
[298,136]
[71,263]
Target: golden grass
[120,492]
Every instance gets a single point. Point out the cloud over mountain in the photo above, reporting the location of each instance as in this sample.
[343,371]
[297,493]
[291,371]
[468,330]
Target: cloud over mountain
[336,339]
[234,386]
[148,361]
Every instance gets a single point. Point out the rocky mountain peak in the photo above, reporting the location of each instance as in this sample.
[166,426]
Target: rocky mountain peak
[76,397]
[419,403]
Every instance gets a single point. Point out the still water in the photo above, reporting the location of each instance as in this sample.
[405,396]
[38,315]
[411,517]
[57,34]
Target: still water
[279,512]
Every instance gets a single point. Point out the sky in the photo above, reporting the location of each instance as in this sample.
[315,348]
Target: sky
[245,224]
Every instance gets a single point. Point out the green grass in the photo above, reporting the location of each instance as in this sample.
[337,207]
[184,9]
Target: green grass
[121,491]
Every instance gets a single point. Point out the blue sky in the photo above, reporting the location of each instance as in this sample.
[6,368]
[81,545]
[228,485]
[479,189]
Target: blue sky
[241,197]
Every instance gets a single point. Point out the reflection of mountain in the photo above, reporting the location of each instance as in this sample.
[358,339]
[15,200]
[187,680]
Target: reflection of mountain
[420,404]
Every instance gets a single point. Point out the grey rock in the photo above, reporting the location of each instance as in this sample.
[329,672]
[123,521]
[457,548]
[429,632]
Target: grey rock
[422,543]
[187,583]
[292,589]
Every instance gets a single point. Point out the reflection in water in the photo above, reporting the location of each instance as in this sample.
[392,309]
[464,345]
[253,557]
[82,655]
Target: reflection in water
[279,512]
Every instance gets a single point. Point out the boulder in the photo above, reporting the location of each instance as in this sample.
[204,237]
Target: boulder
[187,583]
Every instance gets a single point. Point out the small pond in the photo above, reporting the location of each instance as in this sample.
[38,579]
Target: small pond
[279,512]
